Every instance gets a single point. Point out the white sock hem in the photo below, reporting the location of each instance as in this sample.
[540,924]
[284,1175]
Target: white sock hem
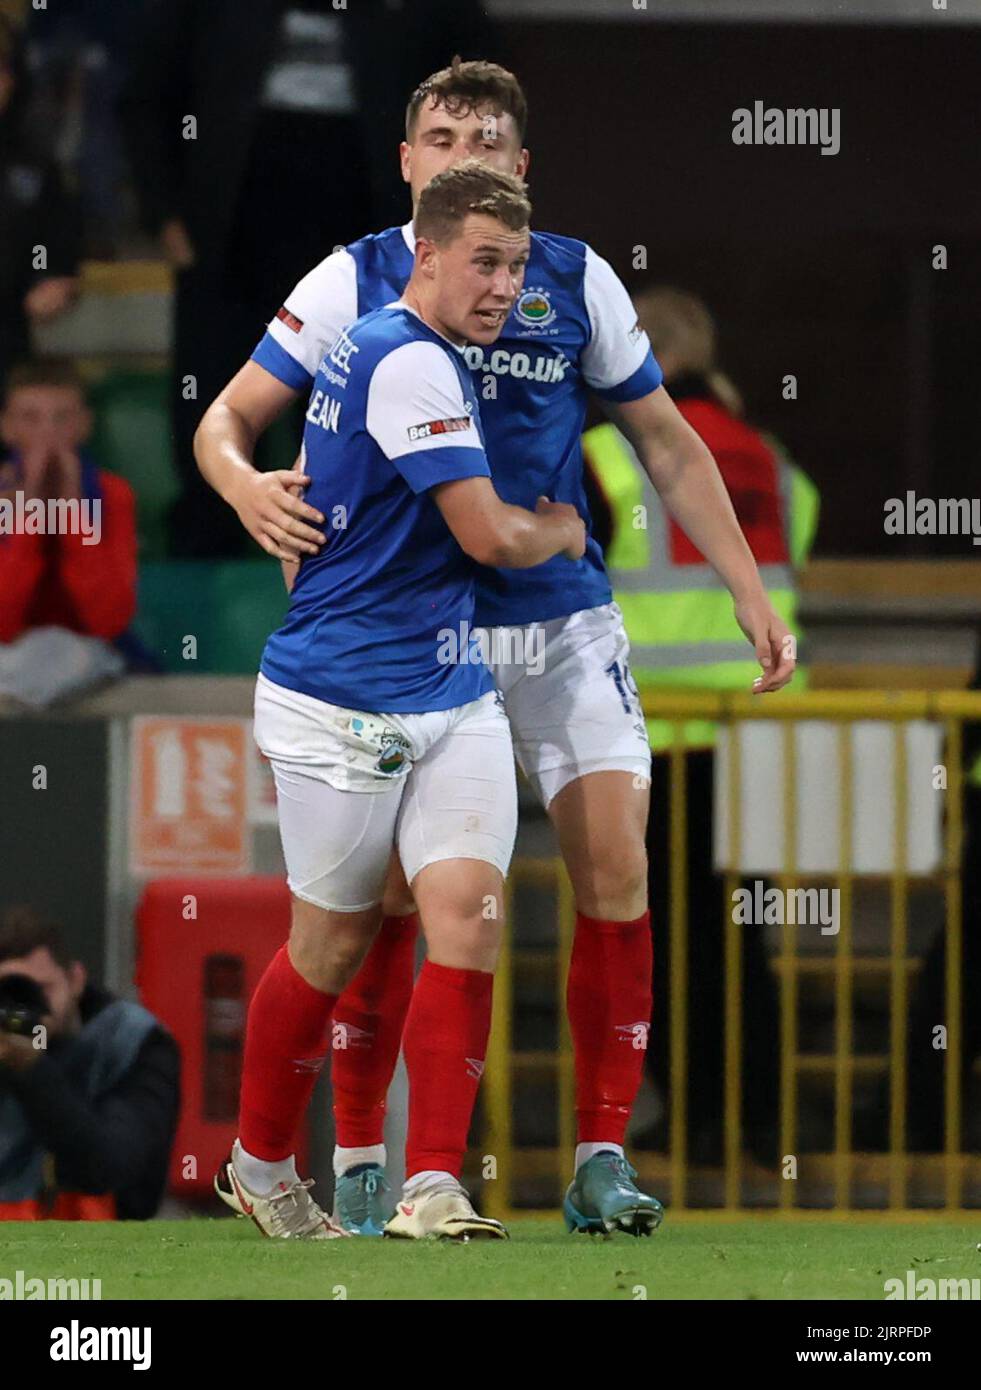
[428,1177]
[261,1175]
[351,1158]
[584,1152]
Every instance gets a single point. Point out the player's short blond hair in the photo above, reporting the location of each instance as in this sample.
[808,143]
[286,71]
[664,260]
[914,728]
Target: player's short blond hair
[470,187]
[680,324]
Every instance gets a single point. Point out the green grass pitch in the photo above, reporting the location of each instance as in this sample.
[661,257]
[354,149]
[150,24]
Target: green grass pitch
[751,1257]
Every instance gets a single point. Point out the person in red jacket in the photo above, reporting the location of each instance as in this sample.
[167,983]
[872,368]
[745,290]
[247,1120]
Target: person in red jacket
[79,577]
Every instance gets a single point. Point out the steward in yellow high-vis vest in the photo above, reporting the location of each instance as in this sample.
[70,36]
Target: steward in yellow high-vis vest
[677,611]
[679,618]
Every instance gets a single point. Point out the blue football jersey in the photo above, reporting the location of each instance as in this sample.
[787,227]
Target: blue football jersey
[379,620]
[573,329]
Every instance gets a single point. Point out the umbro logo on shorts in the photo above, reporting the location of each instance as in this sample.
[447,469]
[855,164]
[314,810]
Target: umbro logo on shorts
[475,1067]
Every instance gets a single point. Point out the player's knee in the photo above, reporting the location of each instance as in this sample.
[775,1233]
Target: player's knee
[466,939]
[328,948]
[613,882]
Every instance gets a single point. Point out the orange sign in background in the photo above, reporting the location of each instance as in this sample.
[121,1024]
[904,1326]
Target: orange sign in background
[189,803]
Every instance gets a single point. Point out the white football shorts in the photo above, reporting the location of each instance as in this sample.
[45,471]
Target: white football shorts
[569,696]
[350,784]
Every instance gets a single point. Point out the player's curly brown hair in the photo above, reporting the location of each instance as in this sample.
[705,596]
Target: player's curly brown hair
[470,86]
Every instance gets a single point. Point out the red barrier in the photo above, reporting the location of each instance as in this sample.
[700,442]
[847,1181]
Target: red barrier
[203,945]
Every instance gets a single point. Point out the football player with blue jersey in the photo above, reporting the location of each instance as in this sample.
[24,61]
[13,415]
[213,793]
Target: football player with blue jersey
[380,718]
[559,653]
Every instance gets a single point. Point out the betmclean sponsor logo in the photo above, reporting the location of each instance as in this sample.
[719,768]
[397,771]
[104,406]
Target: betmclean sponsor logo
[803,907]
[926,1288]
[769,125]
[546,367]
[431,427]
[929,516]
[21,515]
[77,1343]
[481,646]
[23,1287]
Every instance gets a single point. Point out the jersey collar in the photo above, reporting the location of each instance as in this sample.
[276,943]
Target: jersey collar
[409,237]
[401,304]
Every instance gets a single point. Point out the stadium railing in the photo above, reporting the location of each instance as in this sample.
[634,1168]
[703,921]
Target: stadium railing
[844,1178]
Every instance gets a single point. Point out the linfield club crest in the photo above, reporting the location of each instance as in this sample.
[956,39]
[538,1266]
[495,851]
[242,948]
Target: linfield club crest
[534,308]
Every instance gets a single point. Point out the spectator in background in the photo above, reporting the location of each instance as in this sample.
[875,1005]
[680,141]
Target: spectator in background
[39,217]
[87,1120]
[79,55]
[69,590]
[278,168]
[683,634]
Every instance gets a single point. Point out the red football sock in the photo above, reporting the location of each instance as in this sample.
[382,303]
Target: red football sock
[368,1022]
[609,1001]
[444,1043]
[285,1048]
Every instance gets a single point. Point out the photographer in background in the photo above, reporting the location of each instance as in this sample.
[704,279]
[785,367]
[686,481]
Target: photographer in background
[89,1087]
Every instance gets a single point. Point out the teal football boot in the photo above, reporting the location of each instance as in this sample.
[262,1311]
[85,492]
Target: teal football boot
[603,1198]
[359,1200]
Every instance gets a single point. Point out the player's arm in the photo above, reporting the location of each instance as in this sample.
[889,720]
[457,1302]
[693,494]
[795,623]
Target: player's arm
[281,369]
[619,366]
[224,446]
[417,415]
[688,480]
[494,532]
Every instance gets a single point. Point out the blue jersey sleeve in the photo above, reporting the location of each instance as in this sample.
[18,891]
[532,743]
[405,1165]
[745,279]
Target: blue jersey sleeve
[648,377]
[420,419]
[429,468]
[278,362]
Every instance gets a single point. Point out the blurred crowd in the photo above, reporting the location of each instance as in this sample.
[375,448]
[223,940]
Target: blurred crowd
[123,137]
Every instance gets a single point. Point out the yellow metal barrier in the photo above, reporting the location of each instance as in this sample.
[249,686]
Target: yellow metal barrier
[743,1181]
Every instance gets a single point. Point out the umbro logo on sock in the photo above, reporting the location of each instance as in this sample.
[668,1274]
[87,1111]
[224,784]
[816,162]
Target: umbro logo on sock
[475,1067]
[346,1035]
[308,1064]
[635,1034]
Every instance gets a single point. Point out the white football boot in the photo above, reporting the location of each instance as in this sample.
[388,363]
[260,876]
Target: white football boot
[441,1212]
[286,1213]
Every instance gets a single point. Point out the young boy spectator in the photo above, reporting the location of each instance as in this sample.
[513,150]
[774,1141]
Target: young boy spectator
[82,581]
